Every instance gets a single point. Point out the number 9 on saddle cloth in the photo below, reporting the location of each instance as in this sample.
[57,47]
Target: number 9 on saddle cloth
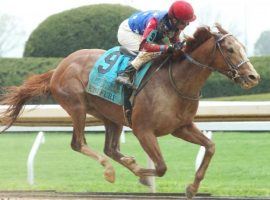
[102,77]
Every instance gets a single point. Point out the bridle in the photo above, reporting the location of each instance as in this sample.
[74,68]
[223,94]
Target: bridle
[232,73]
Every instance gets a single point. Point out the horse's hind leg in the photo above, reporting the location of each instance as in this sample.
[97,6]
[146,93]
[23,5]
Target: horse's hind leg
[79,144]
[112,146]
[73,103]
[192,134]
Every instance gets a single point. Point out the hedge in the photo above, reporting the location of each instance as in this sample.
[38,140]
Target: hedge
[14,70]
[219,85]
[86,27]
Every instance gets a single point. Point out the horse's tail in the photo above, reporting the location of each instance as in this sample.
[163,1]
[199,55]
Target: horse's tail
[16,97]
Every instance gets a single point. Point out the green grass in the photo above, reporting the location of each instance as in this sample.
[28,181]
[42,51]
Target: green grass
[240,167]
[252,97]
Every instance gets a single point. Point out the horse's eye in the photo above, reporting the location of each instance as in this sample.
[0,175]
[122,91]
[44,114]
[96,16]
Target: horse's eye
[230,50]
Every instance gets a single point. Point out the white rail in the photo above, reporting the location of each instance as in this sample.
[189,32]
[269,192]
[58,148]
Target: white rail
[31,157]
[54,115]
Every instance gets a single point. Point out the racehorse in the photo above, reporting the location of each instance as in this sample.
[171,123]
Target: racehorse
[166,104]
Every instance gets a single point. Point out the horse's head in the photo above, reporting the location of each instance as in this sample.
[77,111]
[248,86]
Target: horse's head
[228,56]
[232,60]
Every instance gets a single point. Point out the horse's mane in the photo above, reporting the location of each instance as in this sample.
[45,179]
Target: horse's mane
[199,37]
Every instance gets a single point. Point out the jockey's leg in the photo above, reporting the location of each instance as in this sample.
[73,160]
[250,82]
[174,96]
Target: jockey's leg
[142,58]
[126,77]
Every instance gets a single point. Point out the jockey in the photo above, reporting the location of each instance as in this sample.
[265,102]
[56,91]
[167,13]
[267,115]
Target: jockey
[147,32]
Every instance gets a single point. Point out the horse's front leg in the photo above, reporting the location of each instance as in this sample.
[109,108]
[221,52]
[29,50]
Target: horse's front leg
[148,142]
[150,145]
[192,134]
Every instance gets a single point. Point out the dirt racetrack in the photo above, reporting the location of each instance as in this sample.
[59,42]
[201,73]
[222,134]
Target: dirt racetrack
[48,195]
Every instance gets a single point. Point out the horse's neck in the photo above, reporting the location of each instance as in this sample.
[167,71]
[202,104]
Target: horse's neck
[189,77]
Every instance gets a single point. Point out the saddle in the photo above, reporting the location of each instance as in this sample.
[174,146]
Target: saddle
[128,52]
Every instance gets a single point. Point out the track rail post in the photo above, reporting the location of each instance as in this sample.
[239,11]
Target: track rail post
[31,157]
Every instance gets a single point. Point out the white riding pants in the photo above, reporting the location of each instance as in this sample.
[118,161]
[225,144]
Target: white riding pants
[130,40]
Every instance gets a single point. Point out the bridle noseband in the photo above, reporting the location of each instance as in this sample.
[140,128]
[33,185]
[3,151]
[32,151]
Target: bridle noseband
[232,73]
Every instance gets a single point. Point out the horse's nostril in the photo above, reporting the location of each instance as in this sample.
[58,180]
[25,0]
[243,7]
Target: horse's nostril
[252,77]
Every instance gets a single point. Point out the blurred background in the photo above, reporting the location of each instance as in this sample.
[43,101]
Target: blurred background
[245,19]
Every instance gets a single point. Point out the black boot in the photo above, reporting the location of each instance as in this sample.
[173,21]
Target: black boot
[126,77]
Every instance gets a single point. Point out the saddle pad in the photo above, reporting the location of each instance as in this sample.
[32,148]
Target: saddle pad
[102,77]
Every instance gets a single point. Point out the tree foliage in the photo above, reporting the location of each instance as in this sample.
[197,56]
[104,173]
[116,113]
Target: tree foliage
[85,27]
[262,46]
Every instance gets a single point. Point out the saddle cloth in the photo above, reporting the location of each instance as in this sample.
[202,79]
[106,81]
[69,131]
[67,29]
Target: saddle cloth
[102,77]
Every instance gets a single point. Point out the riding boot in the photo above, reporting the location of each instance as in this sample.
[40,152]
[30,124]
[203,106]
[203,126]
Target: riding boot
[126,77]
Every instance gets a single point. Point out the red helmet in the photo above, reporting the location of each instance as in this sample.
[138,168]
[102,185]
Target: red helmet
[182,10]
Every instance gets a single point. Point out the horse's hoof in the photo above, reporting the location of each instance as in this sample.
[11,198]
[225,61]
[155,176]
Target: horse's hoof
[128,160]
[190,192]
[145,181]
[109,174]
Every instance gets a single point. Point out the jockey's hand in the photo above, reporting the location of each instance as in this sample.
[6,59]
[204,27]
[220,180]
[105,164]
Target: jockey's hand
[179,45]
[170,49]
[175,47]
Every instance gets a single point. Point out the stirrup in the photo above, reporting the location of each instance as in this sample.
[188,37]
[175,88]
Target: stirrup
[125,81]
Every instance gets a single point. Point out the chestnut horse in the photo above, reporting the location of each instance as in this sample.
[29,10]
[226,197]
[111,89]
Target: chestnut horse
[167,104]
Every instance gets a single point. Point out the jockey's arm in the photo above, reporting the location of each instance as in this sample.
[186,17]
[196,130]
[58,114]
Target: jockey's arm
[149,35]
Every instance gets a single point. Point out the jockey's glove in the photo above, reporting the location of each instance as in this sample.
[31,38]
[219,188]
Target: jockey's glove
[170,49]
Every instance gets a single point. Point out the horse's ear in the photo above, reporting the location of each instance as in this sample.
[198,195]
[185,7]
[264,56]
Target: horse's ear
[220,29]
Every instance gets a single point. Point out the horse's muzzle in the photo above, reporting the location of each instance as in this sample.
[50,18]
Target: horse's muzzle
[248,81]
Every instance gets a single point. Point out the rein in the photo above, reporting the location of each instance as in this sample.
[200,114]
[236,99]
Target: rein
[180,94]
[232,72]
[151,75]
